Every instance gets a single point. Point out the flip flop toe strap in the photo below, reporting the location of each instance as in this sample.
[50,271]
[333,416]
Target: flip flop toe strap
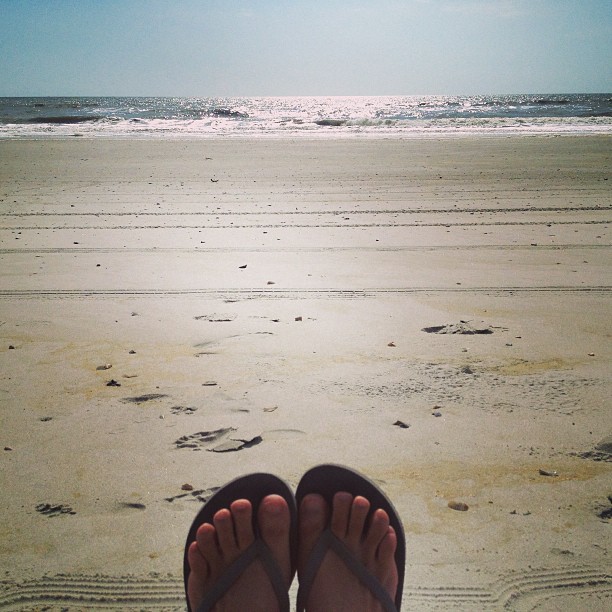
[329,541]
[257,551]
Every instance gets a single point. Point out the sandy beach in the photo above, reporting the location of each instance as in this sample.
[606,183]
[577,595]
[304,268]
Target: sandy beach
[175,313]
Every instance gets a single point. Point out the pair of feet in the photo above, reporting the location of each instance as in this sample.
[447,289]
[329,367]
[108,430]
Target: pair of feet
[335,587]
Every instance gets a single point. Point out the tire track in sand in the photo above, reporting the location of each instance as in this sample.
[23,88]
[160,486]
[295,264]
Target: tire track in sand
[307,225]
[306,249]
[285,294]
[349,211]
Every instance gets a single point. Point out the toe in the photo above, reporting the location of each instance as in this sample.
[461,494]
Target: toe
[273,519]
[206,540]
[224,526]
[357,520]
[377,530]
[199,573]
[274,522]
[197,563]
[387,547]
[242,516]
[387,569]
[341,514]
[313,518]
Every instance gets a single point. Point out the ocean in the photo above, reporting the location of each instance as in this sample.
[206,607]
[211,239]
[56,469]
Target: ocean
[312,117]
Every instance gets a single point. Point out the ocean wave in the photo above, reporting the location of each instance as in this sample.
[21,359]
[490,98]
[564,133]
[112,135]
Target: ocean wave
[226,112]
[331,122]
[545,101]
[65,119]
[75,105]
[509,102]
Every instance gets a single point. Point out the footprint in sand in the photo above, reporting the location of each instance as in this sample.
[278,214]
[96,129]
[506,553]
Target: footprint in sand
[202,439]
[216,318]
[205,440]
[51,510]
[183,409]
[197,495]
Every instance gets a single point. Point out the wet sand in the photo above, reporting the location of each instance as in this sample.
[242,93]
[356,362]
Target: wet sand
[261,305]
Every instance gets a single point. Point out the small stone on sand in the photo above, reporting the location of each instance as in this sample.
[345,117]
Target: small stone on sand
[548,472]
[459,506]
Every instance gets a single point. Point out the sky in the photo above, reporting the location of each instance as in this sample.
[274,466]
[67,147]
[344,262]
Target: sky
[304,47]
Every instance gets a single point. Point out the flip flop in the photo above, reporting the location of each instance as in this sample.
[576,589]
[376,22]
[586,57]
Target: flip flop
[327,480]
[253,487]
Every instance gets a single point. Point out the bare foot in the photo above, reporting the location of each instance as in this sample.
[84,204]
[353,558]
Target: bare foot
[218,545]
[335,587]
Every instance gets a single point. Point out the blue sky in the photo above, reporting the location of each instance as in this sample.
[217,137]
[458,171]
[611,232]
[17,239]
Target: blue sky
[296,47]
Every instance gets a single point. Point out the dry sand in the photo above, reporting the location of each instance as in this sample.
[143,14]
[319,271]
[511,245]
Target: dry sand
[132,253]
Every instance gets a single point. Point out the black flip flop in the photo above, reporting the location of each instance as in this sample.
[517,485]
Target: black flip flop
[327,480]
[253,487]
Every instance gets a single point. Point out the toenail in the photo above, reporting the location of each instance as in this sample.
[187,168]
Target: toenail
[241,505]
[274,509]
[312,504]
[343,497]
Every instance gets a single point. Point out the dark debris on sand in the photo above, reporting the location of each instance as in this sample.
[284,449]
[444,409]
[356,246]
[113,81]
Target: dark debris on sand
[139,399]
[463,328]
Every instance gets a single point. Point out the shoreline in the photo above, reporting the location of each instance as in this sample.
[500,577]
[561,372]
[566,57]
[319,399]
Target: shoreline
[169,136]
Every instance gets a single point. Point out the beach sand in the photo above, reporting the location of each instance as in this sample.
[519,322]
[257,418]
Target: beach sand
[270,297]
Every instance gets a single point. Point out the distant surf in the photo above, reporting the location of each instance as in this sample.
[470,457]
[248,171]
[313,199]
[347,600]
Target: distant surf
[324,117]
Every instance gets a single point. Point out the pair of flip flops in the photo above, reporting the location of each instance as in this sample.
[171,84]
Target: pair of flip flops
[326,480]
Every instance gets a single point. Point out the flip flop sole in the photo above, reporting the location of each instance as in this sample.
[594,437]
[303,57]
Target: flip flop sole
[329,479]
[253,487]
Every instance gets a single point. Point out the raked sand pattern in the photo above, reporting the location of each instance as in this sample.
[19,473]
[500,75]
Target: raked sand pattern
[571,588]
[176,313]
